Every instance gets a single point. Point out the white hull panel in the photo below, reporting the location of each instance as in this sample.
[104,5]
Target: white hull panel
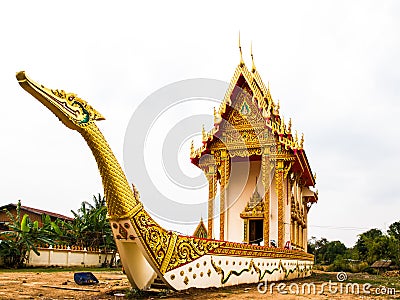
[220,271]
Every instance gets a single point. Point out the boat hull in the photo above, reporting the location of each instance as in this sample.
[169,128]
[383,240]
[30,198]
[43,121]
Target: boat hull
[229,264]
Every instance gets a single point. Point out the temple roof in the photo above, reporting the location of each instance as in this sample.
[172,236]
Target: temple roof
[269,110]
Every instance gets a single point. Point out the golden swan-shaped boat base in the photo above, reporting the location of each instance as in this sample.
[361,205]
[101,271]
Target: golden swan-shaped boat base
[146,249]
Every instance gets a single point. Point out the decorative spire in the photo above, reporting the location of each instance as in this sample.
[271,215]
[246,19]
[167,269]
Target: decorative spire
[136,193]
[282,127]
[241,56]
[276,108]
[289,128]
[302,141]
[192,149]
[269,97]
[203,134]
[253,66]
[255,198]
[217,117]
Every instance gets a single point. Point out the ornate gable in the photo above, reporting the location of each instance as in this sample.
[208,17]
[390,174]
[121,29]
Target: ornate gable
[200,231]
[249,118]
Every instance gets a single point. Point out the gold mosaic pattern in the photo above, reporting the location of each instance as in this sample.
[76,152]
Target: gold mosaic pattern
[280,198]
[117,191]
[246,250]
[266,183]
[224,170]
[212,190]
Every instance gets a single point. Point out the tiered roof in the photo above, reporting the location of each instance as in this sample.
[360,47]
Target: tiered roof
[269,110]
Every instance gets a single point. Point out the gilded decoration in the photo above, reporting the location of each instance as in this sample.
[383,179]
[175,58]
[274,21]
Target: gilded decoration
[255,206]
[167,249]
[188,249]
[265,168]
[245,230]
[246,250]
[211,174]
[245,109]
[201,230]
[298,213]
[224,170]
[254,96]
[279,173]
[254,210]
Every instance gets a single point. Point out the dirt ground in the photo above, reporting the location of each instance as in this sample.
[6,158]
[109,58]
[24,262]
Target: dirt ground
[60,285]
[55,285]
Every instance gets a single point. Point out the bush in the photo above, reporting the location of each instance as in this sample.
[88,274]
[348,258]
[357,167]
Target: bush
[345,265]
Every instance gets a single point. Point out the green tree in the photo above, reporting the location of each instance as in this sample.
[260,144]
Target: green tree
[311,245]
[91,228]
[394,230]
[394,233]
[365,244]
[333,250]
[373,245]
[24,236]
[320,249]
[325,252]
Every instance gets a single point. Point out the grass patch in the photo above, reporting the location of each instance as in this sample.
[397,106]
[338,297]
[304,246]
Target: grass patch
[376,280]
[318,277]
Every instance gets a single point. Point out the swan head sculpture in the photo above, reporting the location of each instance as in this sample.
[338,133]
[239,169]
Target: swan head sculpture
[71,110]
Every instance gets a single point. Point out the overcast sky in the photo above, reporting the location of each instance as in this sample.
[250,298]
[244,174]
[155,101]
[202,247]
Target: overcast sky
[334,65]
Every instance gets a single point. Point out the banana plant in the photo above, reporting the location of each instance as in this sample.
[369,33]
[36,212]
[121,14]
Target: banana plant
[22,237]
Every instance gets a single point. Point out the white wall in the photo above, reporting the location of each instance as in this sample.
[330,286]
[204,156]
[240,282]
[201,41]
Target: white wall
[66,258]
[241,187]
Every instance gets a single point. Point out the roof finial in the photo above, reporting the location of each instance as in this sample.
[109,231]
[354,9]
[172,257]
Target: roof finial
[253,66]
[203,134]
[302,141]
[241,56]
[296,139]
[192,149]
[217,117]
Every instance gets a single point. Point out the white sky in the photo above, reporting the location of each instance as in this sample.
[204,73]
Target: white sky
[334,65]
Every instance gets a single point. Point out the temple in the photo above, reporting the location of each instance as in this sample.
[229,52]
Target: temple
[258,166]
